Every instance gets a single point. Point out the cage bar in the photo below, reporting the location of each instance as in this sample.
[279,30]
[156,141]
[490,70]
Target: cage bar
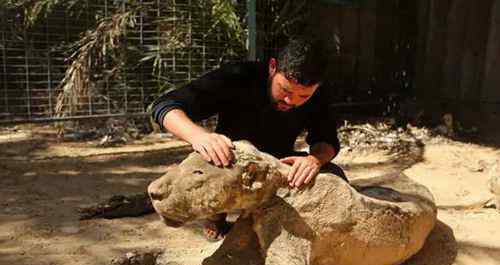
[4,64]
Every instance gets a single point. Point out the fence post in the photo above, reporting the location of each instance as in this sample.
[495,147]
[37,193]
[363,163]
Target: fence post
[4,61]
[367,28]
[474,52]
[421,46]
[457,22]
[430,80]
[490,94]
[252,30]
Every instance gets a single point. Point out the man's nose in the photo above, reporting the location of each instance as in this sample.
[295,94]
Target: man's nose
[288,100]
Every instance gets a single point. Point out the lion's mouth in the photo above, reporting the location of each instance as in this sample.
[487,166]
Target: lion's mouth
[171,222]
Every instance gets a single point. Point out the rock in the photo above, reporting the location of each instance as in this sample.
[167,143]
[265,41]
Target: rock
[448,122]
[163,259]
[110,140]
[136,258]
[441,129]
[383,220]
[480,166]
[494,185]
[447,127]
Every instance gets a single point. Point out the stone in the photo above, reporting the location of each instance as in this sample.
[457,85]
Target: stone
[138,258]
[374,221]
[494,185]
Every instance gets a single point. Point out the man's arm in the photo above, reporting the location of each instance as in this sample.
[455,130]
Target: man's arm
[324,143]
[178,110]
[213,147]
[323,152]
[322,128]
[204,96]
[305,168]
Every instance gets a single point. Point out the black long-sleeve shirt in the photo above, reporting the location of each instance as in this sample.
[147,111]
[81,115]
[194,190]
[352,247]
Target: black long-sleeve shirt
[239,94]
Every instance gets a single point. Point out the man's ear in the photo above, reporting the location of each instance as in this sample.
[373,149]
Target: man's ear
[273,67]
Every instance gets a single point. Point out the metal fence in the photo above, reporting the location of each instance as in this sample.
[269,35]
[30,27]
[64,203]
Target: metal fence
[34,59]
[374,55]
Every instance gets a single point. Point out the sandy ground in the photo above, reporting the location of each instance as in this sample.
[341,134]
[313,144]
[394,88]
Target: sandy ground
[43,182]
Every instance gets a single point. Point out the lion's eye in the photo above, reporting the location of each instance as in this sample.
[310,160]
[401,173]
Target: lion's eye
[199,172]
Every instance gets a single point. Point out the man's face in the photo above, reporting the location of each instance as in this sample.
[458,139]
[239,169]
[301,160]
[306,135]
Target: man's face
[287,93]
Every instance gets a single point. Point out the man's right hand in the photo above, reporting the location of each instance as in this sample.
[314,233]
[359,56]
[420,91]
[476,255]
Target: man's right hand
[214,147]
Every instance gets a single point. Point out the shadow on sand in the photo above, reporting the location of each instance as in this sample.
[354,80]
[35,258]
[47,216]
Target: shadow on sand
[440,248]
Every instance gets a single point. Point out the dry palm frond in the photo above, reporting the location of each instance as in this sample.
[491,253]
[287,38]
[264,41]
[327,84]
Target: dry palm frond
[290,13]
[90,57]
[36,9]
[225,16]
[176,31]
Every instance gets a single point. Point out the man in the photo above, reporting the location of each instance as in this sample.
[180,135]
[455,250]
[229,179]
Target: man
[266,104]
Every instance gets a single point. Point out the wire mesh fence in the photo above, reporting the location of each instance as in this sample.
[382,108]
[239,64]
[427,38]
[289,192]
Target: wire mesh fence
[172,42]
[175,41]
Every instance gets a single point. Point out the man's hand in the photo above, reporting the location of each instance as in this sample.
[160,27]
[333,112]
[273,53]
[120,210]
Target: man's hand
[304,169]
[214,147]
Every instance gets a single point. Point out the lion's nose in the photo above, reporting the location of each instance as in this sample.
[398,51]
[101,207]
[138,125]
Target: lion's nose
[154,190]
[155,196]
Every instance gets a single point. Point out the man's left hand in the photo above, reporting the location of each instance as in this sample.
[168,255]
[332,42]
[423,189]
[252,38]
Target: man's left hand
[304,169]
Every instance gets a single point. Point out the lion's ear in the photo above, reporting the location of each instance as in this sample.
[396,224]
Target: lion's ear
[252,168]
[254,174]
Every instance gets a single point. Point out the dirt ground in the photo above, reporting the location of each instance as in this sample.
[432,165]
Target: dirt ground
[43,181]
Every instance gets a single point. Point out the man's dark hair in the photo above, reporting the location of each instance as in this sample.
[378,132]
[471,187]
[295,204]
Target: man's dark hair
[304,61]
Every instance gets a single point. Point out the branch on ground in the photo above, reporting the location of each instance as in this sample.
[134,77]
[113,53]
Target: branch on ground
[119,206]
